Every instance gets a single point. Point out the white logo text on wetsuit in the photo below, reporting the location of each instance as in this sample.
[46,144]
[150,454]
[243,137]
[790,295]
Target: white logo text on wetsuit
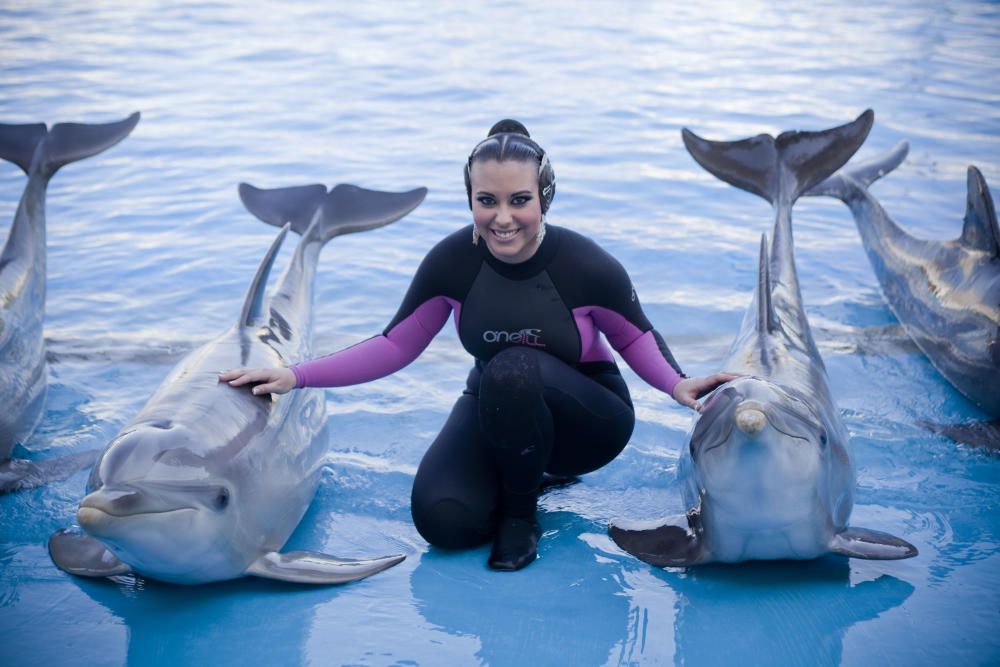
[531,337]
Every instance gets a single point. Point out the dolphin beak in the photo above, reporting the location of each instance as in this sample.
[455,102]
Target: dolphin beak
[750,417]
[100,506]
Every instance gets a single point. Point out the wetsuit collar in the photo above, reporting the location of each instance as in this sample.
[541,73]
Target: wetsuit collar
[531,267]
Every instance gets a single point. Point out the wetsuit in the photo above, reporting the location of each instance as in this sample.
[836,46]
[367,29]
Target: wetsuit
[545,394]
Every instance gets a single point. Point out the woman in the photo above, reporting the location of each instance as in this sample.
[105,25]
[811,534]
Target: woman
[545,395]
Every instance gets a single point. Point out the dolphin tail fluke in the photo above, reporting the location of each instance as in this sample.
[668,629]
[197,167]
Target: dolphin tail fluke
[980,230]
[82,555]
[18,142]
[666,542]
[277,206]
[871,545]
[346,209]
[17,474]
[863,174]
[306,567]
[349,209]
[69,142]
[767,321]
[781,168]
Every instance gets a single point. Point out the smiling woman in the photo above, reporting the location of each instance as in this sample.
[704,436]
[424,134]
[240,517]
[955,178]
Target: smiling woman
[545,395]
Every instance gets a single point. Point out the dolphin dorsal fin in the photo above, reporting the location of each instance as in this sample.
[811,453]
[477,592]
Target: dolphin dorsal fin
[253,304]
[783,167]
[980,230]
[766,320]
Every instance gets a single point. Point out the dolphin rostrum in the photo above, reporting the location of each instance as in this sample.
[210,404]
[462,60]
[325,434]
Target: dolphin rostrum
[945,293]
[208,481]
[40,152]
[768,472]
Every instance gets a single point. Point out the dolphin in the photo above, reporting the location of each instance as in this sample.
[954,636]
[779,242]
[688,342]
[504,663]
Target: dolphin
[40,152]
[207,482]
[945,293]
[768,472]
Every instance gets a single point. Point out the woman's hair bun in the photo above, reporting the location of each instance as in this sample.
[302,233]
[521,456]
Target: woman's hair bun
[508,125]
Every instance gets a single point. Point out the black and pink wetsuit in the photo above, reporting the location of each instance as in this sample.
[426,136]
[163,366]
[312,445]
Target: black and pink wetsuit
[545,394]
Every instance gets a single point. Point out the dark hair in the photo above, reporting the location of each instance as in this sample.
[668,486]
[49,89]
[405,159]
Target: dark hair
[509,140]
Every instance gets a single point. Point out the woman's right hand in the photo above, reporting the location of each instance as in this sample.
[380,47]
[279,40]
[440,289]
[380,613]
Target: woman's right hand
[268,380]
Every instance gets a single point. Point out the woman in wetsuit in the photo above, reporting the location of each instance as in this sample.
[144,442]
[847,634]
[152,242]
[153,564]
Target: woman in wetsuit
[545,396]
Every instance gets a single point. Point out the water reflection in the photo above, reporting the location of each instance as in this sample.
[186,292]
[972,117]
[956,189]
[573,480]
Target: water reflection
[565,609]
[768,613]
[216,624]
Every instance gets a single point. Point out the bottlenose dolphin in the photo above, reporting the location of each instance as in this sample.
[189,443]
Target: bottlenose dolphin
[40,152]
[945,293]
[208,481]
[768,472]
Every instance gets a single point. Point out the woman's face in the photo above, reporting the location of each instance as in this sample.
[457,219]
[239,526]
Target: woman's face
[506,208]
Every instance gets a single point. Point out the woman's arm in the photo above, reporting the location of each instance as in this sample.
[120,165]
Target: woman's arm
[648,355]
[378,356]
[369,360]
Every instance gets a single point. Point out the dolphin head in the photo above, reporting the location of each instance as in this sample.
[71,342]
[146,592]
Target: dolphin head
[164,509]
[762,453]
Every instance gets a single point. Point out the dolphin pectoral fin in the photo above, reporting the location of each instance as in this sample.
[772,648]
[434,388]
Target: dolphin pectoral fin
[19,474]
[84,556]
[308,567]
[985,435]
[871,545]
[666,542]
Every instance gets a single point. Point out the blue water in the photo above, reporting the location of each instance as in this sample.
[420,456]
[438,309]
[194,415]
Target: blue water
[150,253]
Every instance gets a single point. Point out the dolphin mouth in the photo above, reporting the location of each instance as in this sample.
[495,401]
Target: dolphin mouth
[100,521]
[91,509]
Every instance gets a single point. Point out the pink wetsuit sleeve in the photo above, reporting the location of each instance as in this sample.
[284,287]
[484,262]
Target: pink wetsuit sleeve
[640,350]
[380,355]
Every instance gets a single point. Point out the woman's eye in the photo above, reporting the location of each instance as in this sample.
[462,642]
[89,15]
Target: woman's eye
[486,201]
[520,200]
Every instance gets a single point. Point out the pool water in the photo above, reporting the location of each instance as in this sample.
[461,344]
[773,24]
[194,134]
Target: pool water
[150,254]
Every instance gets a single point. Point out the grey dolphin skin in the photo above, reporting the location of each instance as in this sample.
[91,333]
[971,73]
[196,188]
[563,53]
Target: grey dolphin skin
[768,472]
[40,152]
[945,293]
[208,481]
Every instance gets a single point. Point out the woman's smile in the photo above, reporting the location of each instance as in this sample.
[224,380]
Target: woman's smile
[505,234]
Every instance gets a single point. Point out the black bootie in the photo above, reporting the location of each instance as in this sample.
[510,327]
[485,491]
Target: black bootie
[516,543]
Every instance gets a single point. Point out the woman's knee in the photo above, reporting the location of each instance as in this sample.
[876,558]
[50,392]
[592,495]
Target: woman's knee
[513,371]
[511,394]
[451,524]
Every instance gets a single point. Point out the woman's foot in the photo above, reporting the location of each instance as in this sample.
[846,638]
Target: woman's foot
[515,544]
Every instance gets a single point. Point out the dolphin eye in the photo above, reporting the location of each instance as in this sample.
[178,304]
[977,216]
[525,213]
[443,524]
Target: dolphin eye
[222,499]
[822,438]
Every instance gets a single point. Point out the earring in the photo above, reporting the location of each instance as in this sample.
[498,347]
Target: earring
[541,231]
[475,235]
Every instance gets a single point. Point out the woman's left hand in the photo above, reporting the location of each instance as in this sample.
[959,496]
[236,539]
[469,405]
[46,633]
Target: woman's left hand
[689,390]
